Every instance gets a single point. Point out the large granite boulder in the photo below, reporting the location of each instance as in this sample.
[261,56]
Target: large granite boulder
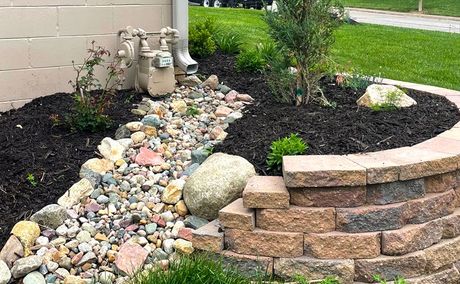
[216,183]
[380,95]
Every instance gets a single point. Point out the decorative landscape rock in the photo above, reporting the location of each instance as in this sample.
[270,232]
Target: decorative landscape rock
[79,190]
[5,274]
[34,278]
[111,149]
[130,258]
[27,232]
[100,166]
[377,95]
[25,265]
[173,192]
[11,251]
[212,82]
[51,216]
[216,183]
[148,157]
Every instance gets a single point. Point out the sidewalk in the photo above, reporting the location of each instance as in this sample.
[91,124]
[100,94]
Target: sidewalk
[406,20]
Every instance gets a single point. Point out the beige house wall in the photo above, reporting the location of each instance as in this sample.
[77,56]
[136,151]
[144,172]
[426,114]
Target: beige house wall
[40,38]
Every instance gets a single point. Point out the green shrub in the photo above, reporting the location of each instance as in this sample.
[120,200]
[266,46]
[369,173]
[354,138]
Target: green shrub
[269,51]
[305,31]
[88,113]
[250,61]
[282,83]
[201,38]
[228,42]
[292,145]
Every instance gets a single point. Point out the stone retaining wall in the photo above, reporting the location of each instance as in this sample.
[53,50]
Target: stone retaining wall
[392,213]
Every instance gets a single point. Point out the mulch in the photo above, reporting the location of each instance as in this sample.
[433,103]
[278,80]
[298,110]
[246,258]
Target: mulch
[31,145]
[344,130]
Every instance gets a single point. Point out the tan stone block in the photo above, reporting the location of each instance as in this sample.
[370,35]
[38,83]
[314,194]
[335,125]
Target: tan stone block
[441,183]
[264,243]
[315,269]
[49,52]
[208,237]
[18,50]
[430,207]
[149,17]
[33,83]
[416,163]
[371,218]
[337,245]
[390,267]
[5,106]
[297,219]
[448,276]
[451,225]
[411,238]
[235,216]
[343,196]
[453,133]
[265,192]
[5,3]
[322,171]
[444,253]
[85,20]
[249,265]
[396,191]
[35,3]
[378,168]
[440,144]
[27,22]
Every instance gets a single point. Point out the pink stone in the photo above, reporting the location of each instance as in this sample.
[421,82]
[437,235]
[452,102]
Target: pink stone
[231,96]
[132,227]
[223,111]
[185,233]
[130,258]
[77,258]
[148,157]
[244,98]
[92,207]
[11,251]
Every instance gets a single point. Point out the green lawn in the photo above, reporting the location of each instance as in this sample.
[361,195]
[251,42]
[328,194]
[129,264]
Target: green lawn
[436,7]
[402,54]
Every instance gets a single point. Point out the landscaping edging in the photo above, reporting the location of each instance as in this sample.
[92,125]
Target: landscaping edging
[392,213]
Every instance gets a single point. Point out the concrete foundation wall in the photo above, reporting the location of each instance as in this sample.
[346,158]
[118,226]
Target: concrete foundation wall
[40,38]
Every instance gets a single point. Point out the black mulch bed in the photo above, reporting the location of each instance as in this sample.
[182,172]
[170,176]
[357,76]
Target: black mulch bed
[53,155]
[344,130]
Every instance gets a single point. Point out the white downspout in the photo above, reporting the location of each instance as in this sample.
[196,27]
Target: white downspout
[180,49]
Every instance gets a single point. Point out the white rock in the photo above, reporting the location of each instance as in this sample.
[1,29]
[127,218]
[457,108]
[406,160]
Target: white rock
[377,94]
[111,149]
[79,190]
[5,274]
[134,126]
[168,246]
[34,278]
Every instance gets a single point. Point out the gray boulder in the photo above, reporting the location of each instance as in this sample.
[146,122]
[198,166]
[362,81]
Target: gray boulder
[216,183]
[5,274]
[51,216]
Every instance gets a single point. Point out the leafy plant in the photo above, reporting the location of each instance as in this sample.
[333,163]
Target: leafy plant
[192,111]
[201,38]
[90,106]
[391,102]
[292,145]
[55,119]
[228,42]
[250,61]
[269,51]
[304,29]
[31,179]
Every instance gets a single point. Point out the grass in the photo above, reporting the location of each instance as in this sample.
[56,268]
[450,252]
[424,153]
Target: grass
[435,7]
[417,56]
[203,269]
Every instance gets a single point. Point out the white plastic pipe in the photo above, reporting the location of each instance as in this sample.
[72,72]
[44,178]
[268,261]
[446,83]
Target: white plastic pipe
[180,49]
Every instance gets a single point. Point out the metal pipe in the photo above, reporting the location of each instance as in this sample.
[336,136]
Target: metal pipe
[180,49]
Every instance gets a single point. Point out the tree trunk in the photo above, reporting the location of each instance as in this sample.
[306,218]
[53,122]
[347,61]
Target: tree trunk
[420,5]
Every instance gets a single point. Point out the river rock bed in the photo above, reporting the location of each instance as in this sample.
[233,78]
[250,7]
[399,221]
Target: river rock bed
[127,211]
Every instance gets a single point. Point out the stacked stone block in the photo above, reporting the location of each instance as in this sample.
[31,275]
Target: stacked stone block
[389,213]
